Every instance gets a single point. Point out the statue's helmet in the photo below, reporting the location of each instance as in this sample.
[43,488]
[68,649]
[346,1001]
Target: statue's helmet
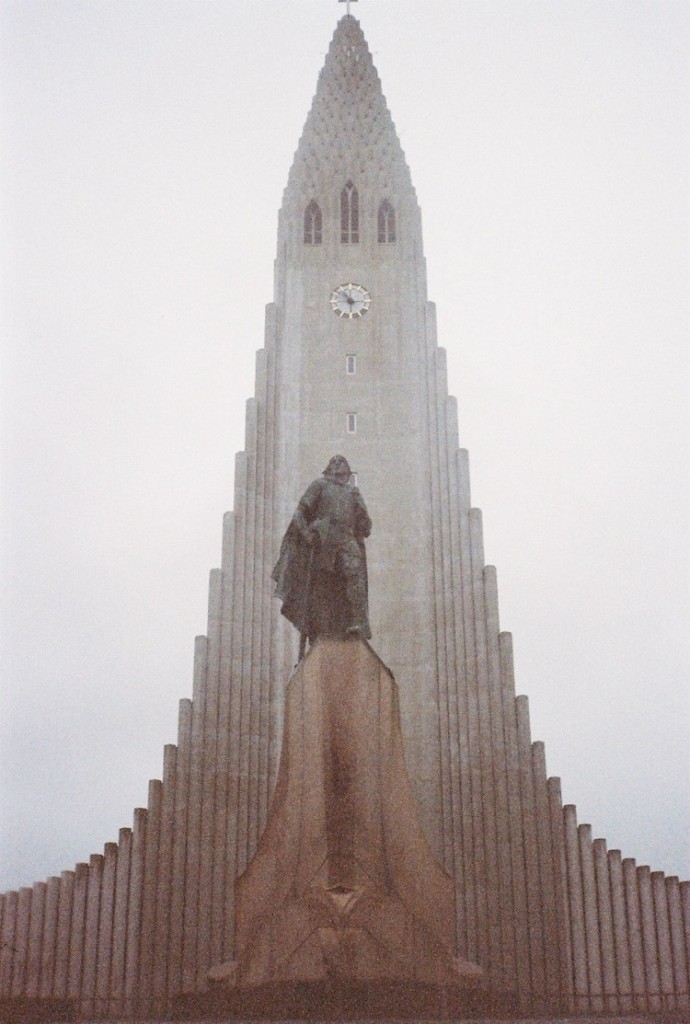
[338,466]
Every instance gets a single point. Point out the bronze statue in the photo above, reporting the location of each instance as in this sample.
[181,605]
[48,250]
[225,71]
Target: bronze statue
[321,573]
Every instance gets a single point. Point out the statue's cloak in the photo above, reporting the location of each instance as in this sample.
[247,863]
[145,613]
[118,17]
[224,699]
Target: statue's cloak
[292,573]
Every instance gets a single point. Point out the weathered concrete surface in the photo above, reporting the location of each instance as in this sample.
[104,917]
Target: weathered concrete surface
[344,886]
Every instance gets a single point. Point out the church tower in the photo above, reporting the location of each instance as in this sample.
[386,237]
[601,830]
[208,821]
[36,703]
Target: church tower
[350,364]
[366,379]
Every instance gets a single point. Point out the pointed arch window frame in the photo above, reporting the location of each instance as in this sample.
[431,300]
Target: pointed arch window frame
[349,214]
[313,224]
[386,222]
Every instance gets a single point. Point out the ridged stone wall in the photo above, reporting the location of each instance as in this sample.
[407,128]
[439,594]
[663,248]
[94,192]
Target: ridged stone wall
[143,921]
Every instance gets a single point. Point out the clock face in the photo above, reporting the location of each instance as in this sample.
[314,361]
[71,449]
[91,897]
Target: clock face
[350,301]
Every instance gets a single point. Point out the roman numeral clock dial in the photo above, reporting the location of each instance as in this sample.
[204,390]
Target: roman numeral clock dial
[350,301]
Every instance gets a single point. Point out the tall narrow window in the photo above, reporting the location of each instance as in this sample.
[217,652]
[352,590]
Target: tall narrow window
[386,222]
[352,423]
[312,224]
[351,365]
[349,214]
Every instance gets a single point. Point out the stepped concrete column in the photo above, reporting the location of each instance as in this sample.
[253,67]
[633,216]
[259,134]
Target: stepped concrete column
[49,938]
[681,956]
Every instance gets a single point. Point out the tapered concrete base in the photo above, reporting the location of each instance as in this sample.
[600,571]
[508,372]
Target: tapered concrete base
[344,896]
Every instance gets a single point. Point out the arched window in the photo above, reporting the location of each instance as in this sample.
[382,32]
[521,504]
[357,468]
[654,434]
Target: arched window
[386,222]
[349,214]
[312,224]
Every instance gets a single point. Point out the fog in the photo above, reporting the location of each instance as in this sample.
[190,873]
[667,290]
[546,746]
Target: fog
[145,149]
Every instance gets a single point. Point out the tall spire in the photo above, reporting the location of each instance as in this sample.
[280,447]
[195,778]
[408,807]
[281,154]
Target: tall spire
[349,126]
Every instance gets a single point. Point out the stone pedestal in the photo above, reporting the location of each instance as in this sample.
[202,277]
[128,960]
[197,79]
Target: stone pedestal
[344,893]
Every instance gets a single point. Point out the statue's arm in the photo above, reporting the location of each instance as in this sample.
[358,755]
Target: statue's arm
[305,512]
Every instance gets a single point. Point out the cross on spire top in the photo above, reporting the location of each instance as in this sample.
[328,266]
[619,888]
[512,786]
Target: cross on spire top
[348,2]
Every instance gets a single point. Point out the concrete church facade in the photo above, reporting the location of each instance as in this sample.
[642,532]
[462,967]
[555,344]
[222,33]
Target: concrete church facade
[553,918]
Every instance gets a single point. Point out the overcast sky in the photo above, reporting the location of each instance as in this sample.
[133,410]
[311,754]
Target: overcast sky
[145,149]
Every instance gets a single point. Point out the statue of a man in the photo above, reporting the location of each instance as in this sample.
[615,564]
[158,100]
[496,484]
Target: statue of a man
[321,573]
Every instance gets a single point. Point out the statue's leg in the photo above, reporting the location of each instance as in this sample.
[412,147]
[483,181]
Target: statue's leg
[356,591]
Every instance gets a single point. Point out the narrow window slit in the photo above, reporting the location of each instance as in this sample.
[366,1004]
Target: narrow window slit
[386,222]
[313,224]
[349,214]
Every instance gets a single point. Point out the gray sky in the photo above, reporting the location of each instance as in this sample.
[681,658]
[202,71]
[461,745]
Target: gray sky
[145,149]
